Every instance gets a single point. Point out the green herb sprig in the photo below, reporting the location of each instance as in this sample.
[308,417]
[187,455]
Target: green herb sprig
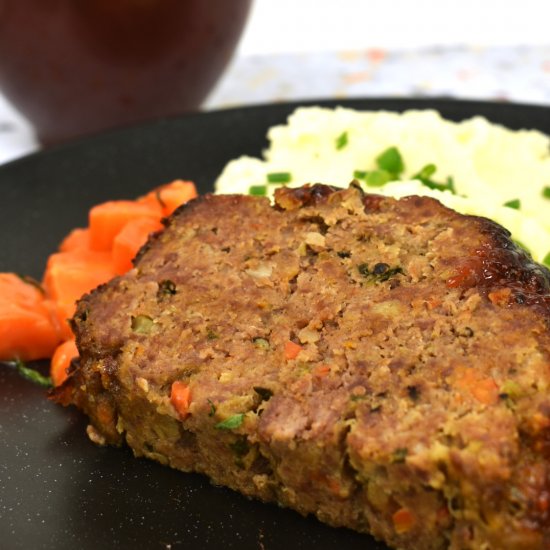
[33,375]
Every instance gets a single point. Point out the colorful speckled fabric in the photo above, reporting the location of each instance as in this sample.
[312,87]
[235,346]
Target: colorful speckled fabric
[516,74]
[519,74]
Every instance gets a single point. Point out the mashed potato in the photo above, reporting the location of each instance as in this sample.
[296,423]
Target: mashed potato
[490,165]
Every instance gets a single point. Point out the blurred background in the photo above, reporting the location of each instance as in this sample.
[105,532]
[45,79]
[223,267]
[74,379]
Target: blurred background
[307,49]
[486,49]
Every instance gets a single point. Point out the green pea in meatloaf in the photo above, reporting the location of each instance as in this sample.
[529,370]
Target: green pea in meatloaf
[383,364]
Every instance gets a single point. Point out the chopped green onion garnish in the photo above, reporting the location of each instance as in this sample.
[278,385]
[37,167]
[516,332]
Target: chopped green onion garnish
[546,260]
[391,161]
[546,192]
[33,375]
[515,204]
[230,423]
[279,177]
[426,172]
[448,186]
[342,140]
[257,190]
[377,178]
[360,174]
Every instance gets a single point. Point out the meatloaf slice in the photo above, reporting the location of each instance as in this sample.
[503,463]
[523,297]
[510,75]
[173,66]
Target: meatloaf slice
[383,364]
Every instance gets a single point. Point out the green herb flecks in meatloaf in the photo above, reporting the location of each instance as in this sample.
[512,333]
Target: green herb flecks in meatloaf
[383,364]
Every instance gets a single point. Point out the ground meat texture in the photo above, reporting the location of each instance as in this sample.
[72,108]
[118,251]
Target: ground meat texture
[383,364]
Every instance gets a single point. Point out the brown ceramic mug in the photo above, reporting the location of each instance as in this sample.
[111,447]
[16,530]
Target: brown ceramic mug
[74,67]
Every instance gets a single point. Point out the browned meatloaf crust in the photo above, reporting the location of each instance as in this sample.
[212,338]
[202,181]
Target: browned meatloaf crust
[417,407]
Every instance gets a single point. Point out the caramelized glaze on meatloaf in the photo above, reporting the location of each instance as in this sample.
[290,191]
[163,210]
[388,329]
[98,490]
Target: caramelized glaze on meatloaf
[383,364]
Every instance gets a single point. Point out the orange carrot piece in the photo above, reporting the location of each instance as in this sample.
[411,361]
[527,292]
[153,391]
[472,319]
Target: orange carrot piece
[180,397]
[61,360]
[14,289]
[130,239]
[500,297]
[485,391]
[175,194]
[28,330]
[25,334]
[403,520]
[292,350]
[63,312]
[170,195]
[69,275]
[107,219]
[77,239]
[483,388]
[321,370]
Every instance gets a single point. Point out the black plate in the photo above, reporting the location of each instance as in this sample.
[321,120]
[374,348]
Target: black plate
[58,490]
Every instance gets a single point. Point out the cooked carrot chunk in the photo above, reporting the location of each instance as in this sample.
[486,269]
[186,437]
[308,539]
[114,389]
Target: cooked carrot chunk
[69,275]
[107,219]
[130,239]
[61,360]
[171,195]
[28,329]
[77,239]
[33,323]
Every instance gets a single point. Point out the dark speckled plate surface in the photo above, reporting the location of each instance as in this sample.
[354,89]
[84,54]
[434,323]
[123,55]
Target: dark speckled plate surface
[58,490]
